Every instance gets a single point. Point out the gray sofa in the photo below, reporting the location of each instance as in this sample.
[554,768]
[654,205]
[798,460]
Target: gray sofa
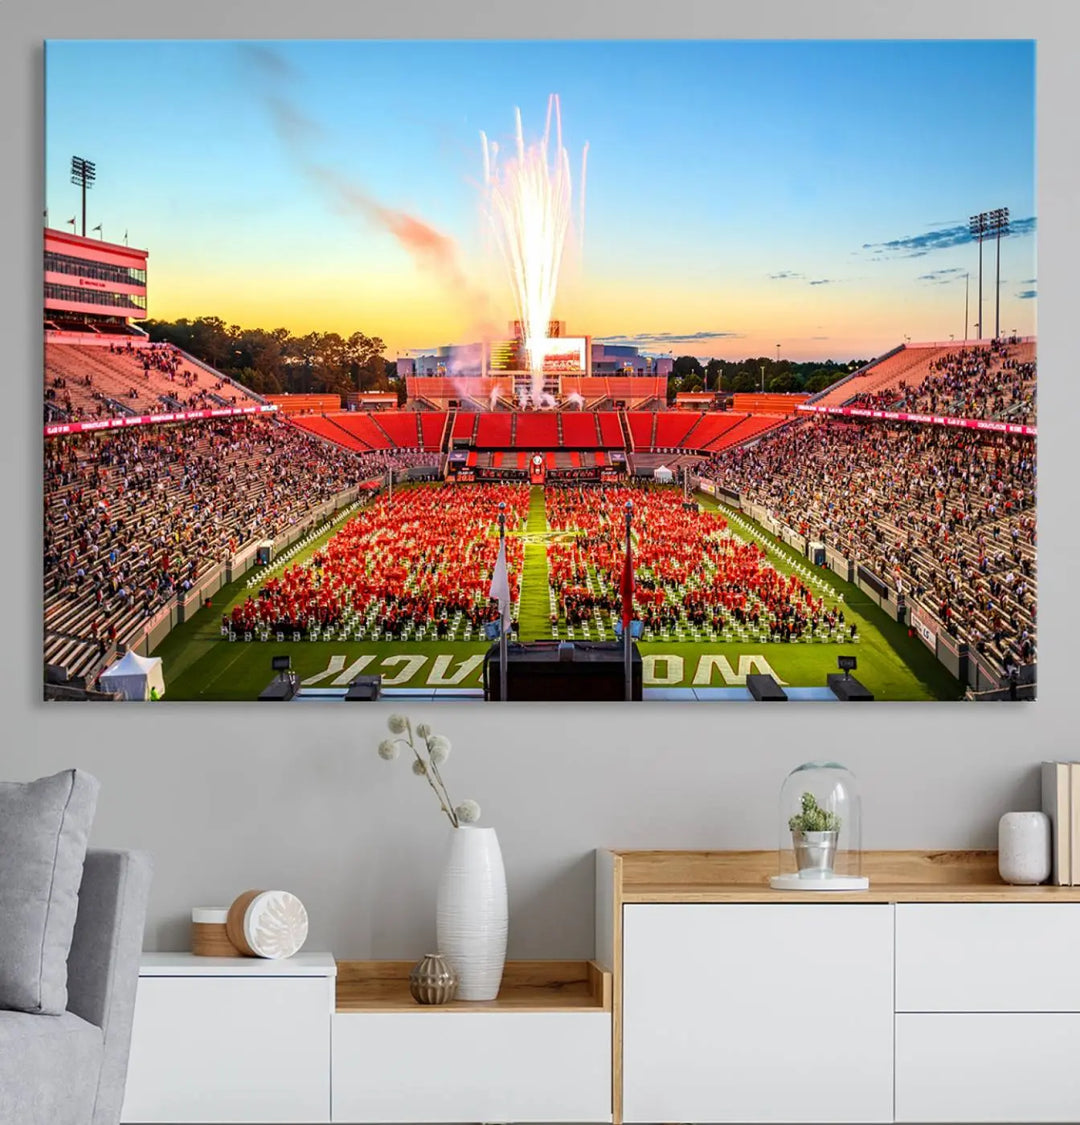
[70,1069]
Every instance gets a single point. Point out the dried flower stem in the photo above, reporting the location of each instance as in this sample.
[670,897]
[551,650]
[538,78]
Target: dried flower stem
[429,768]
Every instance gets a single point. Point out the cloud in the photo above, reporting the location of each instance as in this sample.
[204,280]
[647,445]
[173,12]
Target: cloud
[819,337]
[942,238]
[784,275]
[1026,294]
[941,277]
[824,281]
[1028,281]
[665,337]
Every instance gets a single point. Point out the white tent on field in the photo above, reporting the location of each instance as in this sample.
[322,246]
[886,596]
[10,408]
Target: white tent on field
[136,677]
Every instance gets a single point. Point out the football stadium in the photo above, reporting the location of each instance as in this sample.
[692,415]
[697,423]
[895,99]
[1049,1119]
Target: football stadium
[888,518]
[537,514]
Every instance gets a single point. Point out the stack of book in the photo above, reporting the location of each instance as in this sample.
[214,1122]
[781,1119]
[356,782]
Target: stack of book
[1061,803]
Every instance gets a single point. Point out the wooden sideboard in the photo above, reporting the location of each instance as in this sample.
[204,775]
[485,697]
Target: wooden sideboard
[939,994]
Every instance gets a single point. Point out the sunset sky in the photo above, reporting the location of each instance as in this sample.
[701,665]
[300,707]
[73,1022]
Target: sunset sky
[739,194]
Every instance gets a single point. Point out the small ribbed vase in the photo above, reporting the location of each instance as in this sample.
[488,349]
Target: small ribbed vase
[470,914]
[432,981]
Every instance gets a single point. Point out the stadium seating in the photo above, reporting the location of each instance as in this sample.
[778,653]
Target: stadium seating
[179,499]
[493,431]
[402,428]
[672,428]
[536,431]
[611,435]
[433,429]
[581,431]
[85,381]
[464,426]
[326,427]
[910,364]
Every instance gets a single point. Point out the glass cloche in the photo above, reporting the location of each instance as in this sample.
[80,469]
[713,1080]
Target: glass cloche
[820,830]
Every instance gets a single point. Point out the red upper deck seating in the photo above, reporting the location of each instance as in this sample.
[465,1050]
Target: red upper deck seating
[611,436]
[746,427]
[464,426]
[432,427]
[672,428]
[537,431]
[401,427]
[362,427]
[329,429]
[641,425]
[493,431]
[579,431]
[767,403]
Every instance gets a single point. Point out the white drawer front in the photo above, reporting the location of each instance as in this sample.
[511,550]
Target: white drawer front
[988,957]
[988,1067]
[758,1013]
[230,1049]
[472,1066]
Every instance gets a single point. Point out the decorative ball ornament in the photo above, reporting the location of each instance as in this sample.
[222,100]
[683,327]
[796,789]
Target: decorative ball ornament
[272,924]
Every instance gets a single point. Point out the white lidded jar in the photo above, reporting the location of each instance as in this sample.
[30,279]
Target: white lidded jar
[1024,848]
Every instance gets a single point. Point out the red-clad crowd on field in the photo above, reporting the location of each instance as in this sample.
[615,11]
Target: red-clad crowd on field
[424,558]
[689,571]
[945,517]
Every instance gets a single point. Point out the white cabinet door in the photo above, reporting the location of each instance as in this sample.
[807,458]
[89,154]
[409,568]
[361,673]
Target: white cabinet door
[230,1049]
[978,1067]
[758,1013]
[472,1066]
[988,957]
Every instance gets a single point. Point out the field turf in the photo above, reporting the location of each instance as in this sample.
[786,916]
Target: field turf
[200,664]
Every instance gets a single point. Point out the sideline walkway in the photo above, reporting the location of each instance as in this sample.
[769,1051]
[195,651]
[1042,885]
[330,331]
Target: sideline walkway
[534,610]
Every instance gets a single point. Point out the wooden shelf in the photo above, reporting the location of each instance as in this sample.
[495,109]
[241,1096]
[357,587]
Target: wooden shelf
[527,986]
[901,876]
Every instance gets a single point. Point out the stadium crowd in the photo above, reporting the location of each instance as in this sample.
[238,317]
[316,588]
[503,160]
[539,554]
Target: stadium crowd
[423,559]
[997,382]
[946,517]
[689,571]
[134,517]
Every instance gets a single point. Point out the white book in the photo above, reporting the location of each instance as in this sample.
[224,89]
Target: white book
[1074,820]
[1056,790]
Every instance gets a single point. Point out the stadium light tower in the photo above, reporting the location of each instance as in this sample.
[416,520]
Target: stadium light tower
[997,225]
[978,225]
[83,174]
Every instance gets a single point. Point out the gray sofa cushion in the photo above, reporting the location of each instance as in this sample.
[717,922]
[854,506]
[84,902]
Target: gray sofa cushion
[48,1069]
[44,827]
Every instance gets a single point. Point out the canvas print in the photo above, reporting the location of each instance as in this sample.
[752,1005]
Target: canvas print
[498,371]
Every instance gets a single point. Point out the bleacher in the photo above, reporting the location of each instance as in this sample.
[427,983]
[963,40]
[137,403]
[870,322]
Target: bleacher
[672,428]
[326,427]
[117,377]
[432,429]
[581,431]
[910,364]
[611,435]
[771,403]
[493,431]
[402,428]
[536,431]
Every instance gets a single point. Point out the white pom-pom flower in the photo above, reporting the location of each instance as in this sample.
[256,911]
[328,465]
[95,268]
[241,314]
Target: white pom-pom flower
[388,750]
[419,768]
[439,749]
[468,812]
[397,724]
[423,730]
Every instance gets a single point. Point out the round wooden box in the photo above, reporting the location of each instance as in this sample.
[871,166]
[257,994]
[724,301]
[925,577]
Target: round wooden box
[209,935]
[270,924]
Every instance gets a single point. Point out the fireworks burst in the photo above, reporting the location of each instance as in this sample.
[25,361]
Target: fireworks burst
[529,199]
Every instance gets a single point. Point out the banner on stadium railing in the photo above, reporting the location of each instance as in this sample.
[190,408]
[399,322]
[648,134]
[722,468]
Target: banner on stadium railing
[928,419]
[869,578]
[55,429]
[500,474]
[707,486]
[925,626]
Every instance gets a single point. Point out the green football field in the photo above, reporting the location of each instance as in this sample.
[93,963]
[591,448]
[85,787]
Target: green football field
[201,664]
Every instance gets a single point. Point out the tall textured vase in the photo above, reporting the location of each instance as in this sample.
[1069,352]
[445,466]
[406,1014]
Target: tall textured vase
[470,915]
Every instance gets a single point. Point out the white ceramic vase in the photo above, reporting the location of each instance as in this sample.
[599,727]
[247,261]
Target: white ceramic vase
[470,914]
[1024,848]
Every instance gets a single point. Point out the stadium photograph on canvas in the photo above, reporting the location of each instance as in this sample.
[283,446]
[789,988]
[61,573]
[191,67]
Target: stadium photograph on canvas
[555,370]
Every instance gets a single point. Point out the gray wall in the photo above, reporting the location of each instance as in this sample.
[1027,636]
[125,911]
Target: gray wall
[231,797]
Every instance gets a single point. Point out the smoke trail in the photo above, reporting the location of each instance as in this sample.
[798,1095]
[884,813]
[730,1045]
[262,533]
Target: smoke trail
[430,249]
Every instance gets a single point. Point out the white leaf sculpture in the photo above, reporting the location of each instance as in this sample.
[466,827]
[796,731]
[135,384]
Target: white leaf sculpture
[276,924]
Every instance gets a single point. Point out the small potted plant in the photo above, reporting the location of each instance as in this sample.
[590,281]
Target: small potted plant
[814,835]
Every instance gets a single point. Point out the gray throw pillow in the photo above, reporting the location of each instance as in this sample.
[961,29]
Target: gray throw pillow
[44,826]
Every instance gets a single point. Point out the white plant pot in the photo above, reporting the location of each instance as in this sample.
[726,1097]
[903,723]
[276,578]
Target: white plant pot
[470,913]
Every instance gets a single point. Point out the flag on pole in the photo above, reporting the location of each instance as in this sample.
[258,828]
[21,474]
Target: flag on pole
[70,222]
[626,590]
[98,227]
[500,585]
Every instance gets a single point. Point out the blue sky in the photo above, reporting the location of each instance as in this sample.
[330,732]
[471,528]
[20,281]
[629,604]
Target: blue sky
[739,193]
